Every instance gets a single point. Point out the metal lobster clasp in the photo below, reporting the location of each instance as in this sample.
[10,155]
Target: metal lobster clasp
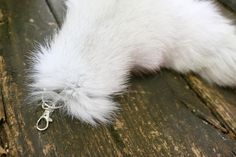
[44,120]
[48,106]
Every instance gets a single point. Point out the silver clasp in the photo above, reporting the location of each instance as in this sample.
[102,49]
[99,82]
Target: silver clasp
[44,118]
[49,106]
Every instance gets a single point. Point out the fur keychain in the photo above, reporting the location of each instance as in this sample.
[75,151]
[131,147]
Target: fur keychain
[101,41]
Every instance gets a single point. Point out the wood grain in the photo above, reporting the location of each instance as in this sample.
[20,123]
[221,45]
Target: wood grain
[155,120]
[219,105]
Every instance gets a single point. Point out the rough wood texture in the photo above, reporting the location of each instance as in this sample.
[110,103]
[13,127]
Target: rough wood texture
[158,117]
[165,114]
[218,104]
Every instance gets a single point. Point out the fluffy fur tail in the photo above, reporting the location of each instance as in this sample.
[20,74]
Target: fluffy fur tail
[206,45]
[89,60]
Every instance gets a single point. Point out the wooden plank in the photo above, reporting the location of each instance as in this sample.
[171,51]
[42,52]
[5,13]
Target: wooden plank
[155,120]
[26,22]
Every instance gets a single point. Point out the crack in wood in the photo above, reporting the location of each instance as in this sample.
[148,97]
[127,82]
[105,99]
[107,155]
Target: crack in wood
[57,17]
[217,104]
[234,153]
[53,13]
[2,108]
[216,124]
[3,152]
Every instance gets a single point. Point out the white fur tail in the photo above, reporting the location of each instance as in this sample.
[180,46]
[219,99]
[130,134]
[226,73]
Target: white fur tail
[90,58]
[205,45]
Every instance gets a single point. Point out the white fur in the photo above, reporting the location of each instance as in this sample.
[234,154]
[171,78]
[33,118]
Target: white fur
[101,41]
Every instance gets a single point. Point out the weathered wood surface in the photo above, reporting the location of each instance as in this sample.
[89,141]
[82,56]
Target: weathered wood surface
[165,114]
